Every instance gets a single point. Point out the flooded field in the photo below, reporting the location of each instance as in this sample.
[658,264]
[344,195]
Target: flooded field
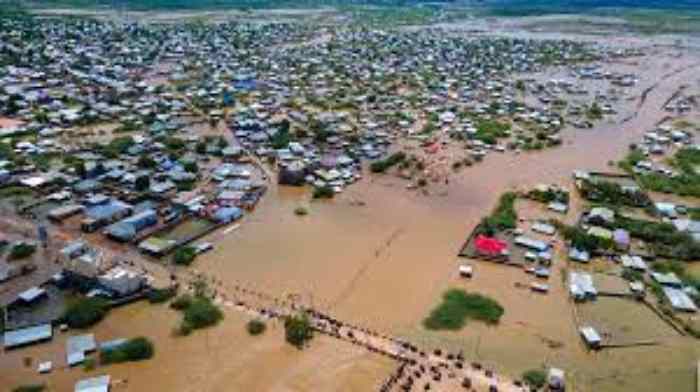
[221,359]
[625,321]
[381,255]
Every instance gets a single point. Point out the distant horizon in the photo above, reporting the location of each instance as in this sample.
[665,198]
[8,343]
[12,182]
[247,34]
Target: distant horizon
[545,6]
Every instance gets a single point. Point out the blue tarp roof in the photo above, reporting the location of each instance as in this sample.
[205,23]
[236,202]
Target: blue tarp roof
[107,210]
[228,214]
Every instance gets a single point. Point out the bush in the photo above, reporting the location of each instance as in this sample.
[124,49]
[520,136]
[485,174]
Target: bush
[199,312]
[631,275]
[324,192]
[184,255]
[489,131]
[117,146]
[301,211]
[191,167]
[457,306]
[30,388]
[89,364]
[181,302]
[298,330]
[142,183]
[256,327]
[549,196]
[21,250]
[383,165]
[86,312]
[281,139]
[581,240]
[157,296]
[136,349]
[535,377]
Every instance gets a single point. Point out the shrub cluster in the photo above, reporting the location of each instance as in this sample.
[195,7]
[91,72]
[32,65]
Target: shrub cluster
[136,349]
[21,250]
[198,312]
[85,312]
[256,327]
[184,255]
[298,330]
[383,165]
[157,296]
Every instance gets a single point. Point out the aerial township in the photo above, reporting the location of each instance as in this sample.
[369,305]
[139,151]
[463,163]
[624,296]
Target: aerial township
[131,153]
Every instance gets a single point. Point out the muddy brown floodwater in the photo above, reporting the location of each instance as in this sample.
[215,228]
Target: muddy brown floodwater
[380,256]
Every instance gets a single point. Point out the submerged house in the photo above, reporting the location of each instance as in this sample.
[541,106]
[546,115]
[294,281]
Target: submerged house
[679,300]
[94,384]
[227,214]
[621,238]
[27,336]
[532,244]
[127,229]
[78,346]
[591,337]
[581,286]
[104,213]
[122,281]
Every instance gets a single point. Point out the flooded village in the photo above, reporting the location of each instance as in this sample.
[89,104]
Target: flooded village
[295,205]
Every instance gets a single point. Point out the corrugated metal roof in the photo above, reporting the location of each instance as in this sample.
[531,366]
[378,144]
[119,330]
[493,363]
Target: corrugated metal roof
[105,211]
[31,294]
[28,335]
[79,345]
[95,384]
[590,335]
[680,300]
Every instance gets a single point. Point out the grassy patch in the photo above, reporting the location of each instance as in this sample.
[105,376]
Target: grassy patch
[489,131]
[503,217]
[457,306]
[686,183]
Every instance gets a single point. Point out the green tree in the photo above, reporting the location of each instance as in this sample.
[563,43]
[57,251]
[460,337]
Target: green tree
[184,255]
[191,167]
[146,162]
[535,378]
[255,327]
[85,312]
[142,183]
[298,330]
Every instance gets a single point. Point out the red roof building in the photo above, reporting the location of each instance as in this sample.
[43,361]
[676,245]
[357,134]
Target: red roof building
[488,246]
